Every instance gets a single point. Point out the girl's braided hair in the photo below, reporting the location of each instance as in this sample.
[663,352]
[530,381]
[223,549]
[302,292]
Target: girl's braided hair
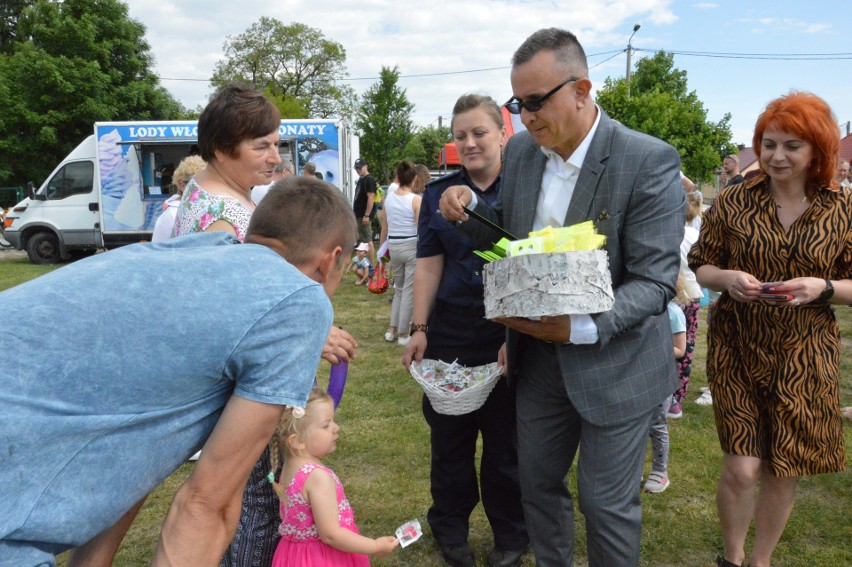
[292,422]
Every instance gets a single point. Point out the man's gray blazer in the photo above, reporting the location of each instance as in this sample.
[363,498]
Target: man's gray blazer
[630,186]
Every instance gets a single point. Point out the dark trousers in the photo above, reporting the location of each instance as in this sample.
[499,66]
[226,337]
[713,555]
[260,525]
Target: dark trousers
[454,484]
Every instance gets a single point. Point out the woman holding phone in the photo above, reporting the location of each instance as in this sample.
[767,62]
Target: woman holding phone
[779,248]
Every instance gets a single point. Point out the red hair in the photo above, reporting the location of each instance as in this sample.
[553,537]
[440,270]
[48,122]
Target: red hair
[809,117]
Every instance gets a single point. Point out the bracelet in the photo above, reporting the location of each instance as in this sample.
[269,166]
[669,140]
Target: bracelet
[414,327]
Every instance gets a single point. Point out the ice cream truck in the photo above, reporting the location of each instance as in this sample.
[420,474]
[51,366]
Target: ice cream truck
[111,188]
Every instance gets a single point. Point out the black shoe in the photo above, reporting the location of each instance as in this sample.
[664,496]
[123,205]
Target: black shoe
[459,555]
[505,558]
[722,562]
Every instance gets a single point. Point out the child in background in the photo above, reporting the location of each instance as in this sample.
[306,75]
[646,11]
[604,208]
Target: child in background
[363,267]
[658,478]
[351,264]
[690,301]
[318,526]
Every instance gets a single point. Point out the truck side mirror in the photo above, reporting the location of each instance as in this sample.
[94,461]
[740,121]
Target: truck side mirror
[31,192]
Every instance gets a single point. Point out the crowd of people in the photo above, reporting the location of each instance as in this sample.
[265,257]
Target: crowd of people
[229,366]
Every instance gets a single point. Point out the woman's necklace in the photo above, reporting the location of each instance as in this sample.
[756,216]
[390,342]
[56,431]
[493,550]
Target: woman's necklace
[780,206]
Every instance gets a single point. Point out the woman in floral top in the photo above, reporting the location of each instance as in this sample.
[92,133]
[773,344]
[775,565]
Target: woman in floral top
[199,210]
[238,138]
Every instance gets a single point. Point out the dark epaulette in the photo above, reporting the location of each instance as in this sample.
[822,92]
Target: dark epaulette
[443,180]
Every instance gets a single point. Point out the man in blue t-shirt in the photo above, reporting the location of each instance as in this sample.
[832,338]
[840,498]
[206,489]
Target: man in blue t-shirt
[128,362]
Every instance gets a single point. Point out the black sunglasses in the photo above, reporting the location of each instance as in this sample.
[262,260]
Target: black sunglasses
[535,104]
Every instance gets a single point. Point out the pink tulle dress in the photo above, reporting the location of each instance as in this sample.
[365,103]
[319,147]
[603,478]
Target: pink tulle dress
[300,545]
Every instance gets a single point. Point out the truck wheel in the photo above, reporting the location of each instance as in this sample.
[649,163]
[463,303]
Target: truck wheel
[43,248]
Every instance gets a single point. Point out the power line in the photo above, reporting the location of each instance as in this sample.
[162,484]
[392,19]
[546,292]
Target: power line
[176,79]
[420,75]
[759,56]
[599,63]
[613,53]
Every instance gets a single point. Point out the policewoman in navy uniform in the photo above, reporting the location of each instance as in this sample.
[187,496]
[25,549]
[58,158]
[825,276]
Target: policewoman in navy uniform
[448,323]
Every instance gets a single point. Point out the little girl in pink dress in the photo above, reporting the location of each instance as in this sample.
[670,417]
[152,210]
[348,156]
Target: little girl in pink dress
[318,525]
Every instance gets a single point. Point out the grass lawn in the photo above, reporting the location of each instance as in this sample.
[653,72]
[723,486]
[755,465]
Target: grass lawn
[383,460]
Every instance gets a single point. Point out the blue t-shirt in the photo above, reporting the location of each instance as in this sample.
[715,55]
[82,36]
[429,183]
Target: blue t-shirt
[677,319]
[119,366]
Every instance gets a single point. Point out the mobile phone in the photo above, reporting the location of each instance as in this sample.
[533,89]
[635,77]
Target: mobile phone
[769,285]
[775,296]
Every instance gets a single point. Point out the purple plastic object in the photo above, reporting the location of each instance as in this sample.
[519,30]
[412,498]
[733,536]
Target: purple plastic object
[337,381]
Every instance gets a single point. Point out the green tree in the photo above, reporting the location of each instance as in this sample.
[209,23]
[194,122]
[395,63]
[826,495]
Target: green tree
[289,106]
[296,65]
[658,103]
[385,125]
[10,13]
[426,144]
[72,63]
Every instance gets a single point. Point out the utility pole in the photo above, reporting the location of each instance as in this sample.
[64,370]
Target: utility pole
[629,53]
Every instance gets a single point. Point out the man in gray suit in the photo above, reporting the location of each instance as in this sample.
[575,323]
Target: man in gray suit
[586,381]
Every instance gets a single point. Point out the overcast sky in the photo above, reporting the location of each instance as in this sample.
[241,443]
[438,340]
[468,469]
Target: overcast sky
[746,53]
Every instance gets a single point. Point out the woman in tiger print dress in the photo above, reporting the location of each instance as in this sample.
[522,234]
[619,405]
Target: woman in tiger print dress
[772,364]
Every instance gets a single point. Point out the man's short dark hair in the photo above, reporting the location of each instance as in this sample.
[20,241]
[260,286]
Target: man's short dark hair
[562,43]
[307,216]
[234,114]
[310,167]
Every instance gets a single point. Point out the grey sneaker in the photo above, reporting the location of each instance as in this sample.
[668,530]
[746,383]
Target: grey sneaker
[657,482]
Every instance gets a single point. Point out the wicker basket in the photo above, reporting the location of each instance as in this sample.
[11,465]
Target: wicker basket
[464,400]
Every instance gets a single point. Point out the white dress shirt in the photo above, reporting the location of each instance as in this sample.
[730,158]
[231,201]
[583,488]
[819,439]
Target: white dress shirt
[558,181]
[557,188]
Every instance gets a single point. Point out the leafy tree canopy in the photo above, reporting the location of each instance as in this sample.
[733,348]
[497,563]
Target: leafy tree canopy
[72,63]
[426,144]
[385,125]
[657,102]
[10,13]
[296,65]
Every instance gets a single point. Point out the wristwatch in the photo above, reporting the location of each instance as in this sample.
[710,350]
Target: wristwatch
[828,292]
[417,327]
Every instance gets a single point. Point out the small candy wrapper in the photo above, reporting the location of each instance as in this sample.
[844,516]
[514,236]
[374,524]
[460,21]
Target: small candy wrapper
[453,378]
[452,388]
[408,533]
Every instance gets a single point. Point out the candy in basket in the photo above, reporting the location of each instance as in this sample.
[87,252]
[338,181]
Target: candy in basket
[455,389]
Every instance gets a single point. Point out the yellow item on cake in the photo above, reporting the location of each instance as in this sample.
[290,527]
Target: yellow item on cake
[574,238]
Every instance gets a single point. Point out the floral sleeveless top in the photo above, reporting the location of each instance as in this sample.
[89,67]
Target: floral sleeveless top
[199,209]
[297,518]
